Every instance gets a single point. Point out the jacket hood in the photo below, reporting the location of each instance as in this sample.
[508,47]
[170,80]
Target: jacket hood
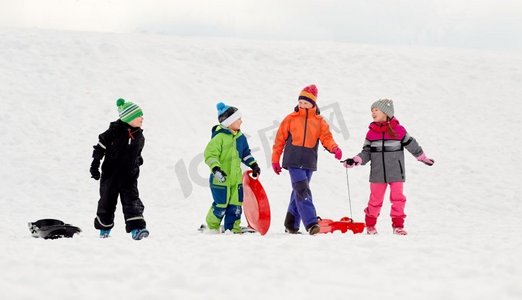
[220,129]
[378,128]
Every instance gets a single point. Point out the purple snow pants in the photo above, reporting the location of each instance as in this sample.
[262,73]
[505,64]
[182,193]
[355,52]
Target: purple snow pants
[301,207]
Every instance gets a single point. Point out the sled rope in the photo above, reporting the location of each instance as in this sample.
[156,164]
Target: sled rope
[349,198]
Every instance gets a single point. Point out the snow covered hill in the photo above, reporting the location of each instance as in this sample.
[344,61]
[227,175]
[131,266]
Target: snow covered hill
[58,92]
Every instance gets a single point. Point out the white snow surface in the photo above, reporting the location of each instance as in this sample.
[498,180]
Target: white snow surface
[58,91]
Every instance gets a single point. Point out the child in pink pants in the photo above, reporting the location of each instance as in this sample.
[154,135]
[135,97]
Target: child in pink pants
[384,147]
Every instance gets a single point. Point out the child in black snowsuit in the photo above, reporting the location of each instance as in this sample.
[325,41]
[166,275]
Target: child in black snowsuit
[121,145]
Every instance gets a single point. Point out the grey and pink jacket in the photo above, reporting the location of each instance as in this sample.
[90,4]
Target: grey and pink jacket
[384,147]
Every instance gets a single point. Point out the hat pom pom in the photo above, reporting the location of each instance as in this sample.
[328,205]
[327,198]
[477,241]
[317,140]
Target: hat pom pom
[120,102]
[312,89]
[221,106]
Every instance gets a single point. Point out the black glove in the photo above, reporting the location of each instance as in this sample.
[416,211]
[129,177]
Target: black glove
[256,171]
[219,174]
[95,173]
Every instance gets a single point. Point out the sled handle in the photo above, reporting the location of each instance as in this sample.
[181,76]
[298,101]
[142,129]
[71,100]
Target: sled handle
[349,197]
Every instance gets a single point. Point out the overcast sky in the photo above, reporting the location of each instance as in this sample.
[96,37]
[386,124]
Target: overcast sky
[495,24]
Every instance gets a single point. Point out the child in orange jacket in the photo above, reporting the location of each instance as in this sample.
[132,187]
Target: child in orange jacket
[299,135]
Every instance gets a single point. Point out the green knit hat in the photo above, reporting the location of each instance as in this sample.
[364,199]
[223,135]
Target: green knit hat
[128,111]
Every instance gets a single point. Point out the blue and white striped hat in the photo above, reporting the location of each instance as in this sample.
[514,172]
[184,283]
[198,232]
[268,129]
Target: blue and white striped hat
[128,111]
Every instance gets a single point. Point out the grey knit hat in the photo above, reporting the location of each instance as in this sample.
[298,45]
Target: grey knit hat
[384,105]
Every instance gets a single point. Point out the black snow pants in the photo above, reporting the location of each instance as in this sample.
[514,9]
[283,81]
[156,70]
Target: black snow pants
[127,189]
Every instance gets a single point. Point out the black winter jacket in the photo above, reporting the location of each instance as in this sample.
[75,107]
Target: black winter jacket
[121,145]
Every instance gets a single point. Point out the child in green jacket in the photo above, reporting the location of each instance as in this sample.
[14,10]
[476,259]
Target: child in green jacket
[224,154]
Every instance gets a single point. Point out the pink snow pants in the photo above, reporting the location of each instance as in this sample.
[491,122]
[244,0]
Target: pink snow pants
[397,198]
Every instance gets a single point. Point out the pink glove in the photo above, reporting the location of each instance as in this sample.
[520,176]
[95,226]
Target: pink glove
[423,159]
[352,162]
[277,168]
[338,153]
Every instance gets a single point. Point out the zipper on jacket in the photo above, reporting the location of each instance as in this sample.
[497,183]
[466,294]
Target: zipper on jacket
[383,162]
[306,125]
[131,137]
[131,134]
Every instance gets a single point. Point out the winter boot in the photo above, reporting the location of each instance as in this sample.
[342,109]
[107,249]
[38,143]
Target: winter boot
[399,231]
[104,233]
[292,231]
[371,230]
[314,229]
[138,234]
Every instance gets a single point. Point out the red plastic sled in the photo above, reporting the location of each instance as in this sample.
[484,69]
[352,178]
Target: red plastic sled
[255,204]
[345,224]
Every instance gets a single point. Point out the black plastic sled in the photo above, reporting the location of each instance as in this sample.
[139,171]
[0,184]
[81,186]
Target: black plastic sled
[52,229]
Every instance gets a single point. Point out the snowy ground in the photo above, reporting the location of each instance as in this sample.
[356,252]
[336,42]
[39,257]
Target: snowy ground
[57,93]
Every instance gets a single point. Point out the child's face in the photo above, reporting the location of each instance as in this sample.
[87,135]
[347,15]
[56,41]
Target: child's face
[236,125]
[378,116]
[136,122]
[305,104]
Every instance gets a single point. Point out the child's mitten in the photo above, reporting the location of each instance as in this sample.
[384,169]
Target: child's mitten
[338,153]
[276,167]
[256,171]
[95,173]
[219,174]
[352,162]
[425,160]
